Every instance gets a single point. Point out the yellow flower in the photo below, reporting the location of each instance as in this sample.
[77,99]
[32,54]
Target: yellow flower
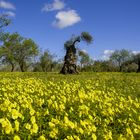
[128,130]
[122,138]
[34,129]
[62,107]
[81,130]
[3,122]
[93,128]
[41,138]
[53,133]
[32,112]
[94,137]
[8,129]
[16,137]
[16,125]
[69,138]
[136,131]
[66,119]
[76,137]
[28,126]
[51,124]
[33,120]
[6,125]
[15,114]
[46,112]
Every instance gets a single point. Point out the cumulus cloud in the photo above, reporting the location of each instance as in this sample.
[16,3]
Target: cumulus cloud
[66,18]
[56,5]
[11,14]
[63,18]
[135,52]
[7,5]
[106,54]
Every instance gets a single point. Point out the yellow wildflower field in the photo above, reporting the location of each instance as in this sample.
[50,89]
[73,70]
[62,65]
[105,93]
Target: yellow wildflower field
[89,106]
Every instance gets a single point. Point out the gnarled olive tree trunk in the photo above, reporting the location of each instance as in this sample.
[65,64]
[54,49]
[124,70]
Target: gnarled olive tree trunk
[70,59]
[69,66]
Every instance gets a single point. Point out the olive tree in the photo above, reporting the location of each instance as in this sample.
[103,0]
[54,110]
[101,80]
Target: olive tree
[84,58]
[70,59]
[8,49]
[46,61]
[137,61]
[119,57]
[18,50]
[25,53]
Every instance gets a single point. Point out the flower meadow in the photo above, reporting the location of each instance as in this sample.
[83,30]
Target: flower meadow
[88,106]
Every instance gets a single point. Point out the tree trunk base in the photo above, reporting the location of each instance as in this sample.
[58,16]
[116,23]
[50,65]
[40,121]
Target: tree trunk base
[69,69]
[138,68]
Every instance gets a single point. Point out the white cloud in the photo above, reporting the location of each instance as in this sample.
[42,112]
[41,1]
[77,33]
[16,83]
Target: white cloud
[7,5]
[66,18]
[106,54]
[56,5]
[135,52]
[11,14]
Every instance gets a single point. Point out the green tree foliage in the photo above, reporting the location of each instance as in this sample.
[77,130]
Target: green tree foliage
[25,53]
[130,67]
[85,36]
[8,51]
[136,59]
[103,66]
[46,61]
[84,58]
[119,57]
[18,50]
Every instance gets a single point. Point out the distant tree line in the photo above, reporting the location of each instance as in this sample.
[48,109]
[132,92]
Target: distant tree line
[119,61]
[18,53]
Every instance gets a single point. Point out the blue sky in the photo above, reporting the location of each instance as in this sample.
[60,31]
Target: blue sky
[114,24]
